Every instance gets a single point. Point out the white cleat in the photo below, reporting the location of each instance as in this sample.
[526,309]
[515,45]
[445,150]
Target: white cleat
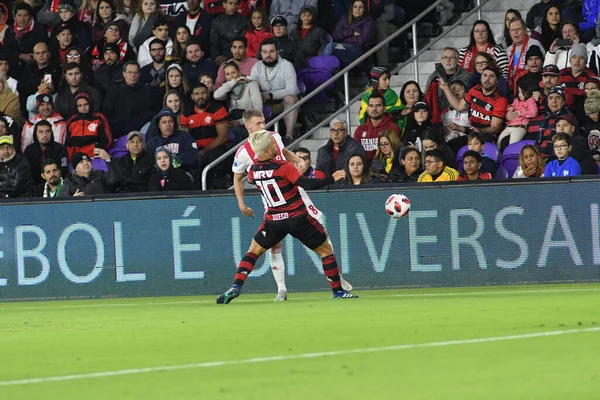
[346,285]
[281,295]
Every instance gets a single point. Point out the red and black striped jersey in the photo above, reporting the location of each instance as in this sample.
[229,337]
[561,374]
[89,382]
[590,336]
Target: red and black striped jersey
[276,181]
[202,123]
[484,107]
[572,85]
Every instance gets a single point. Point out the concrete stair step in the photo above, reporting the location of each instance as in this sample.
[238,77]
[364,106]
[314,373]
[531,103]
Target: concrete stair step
[456,42]
[503,5]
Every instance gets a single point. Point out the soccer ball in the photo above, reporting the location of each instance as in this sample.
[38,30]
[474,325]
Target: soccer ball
[397,206]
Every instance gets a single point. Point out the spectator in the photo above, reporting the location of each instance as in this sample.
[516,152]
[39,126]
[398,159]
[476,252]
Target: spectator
[449,71]
[285,45]
[73,85]
[352,35]
[537,12]
[504,39]
[386,156]
[549,29]
[550,78]
[531,163]
[357,172]
[564,165]
[333,156]
[208,80]
[580,149]
[476,144]
[87,11]
[198,22]
[436,169]
[166,177]
[106,13]
[367,134]
[197,64]
[42,148]
[482,61]
[543,128]
[410,165]
[182,38]
[74,54]
[160,31]
[258,31]
[87,130]
[487,106]
[26,32]
[385,23]
[380,83]
[410,94]
[52,180]
[112,34]
[591,112]
[290,10]
[143,21]
[224,29]
[534,59]
[5,69]
[304,154]
[472,167]
[45,105]
[516,52]
[245,63]
[278,85]
[418,122]
[85,181]
[153,75]
[560,55]
[175,102]
[241,93]
[8,44]
[482,41]
[68,17]
[177,81]
[519,113]
[180,143]
[9,102]
[309,39]
[136,167]
[61,43]
[432,139]
[572,79]
[36,72]
[110,73]
[49,13]
[588,26]
[15,175]
[208,124]
[456,123]
[128,106]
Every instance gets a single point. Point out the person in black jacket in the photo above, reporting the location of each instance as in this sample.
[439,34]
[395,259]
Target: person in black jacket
[224,29]
[109,74]
[73,84]
[285,45]
[85,181]
[50,186]
[26,31]
[166,177]
[308,38]
[135,167]
[340,147]
[42,148]
[202,25]
[15,175]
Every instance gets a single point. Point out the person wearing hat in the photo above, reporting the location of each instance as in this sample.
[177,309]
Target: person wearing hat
[197,19]
[573,78]
[46,112]
[224,29]
[308,38]
[591,119]
[86,181]
[87,130]
[290,10]
[244,63]
[44,146]
[534,60]
[285,45]
[560,55]
[550,78]
[134,168]
[110,73]
[380,83]
[487,106]
[543,129]
[377,121]
[15,174]
[67,12]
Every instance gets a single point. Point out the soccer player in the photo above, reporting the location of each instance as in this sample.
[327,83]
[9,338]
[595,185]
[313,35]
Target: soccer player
[278,182]
[245,157]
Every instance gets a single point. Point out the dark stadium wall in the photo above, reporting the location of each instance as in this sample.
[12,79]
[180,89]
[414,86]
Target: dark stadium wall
[454,236]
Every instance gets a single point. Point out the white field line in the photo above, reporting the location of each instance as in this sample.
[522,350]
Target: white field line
[260,360]
[52,305]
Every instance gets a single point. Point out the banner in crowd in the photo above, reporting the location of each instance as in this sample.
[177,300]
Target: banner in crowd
[453,236]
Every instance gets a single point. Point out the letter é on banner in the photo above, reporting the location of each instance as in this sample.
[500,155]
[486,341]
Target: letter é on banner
[379,261]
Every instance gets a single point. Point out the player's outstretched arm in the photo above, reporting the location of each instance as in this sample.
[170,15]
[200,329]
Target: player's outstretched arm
[311,184]
[238,187]
[294,159]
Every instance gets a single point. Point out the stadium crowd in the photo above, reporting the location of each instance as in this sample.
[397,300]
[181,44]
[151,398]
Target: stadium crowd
[117,96]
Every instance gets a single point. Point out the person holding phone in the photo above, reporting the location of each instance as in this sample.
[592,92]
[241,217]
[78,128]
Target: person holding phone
[559,52]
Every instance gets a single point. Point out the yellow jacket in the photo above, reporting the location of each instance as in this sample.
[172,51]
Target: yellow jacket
[448,174]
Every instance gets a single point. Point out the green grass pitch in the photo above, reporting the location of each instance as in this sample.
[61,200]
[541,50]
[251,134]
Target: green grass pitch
[520,342]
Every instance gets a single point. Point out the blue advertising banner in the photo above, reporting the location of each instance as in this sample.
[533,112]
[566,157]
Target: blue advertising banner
[454,235]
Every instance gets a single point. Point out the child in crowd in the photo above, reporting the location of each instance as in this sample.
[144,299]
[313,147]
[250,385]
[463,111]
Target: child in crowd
[456,123]
[564,165]
[472,167]
[476,144]
[519,113]
[258,31]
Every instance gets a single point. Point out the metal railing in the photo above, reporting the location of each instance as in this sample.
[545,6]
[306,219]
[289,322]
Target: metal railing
[344,72]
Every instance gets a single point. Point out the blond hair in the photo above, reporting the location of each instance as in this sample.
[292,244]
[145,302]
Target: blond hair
[260,142]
